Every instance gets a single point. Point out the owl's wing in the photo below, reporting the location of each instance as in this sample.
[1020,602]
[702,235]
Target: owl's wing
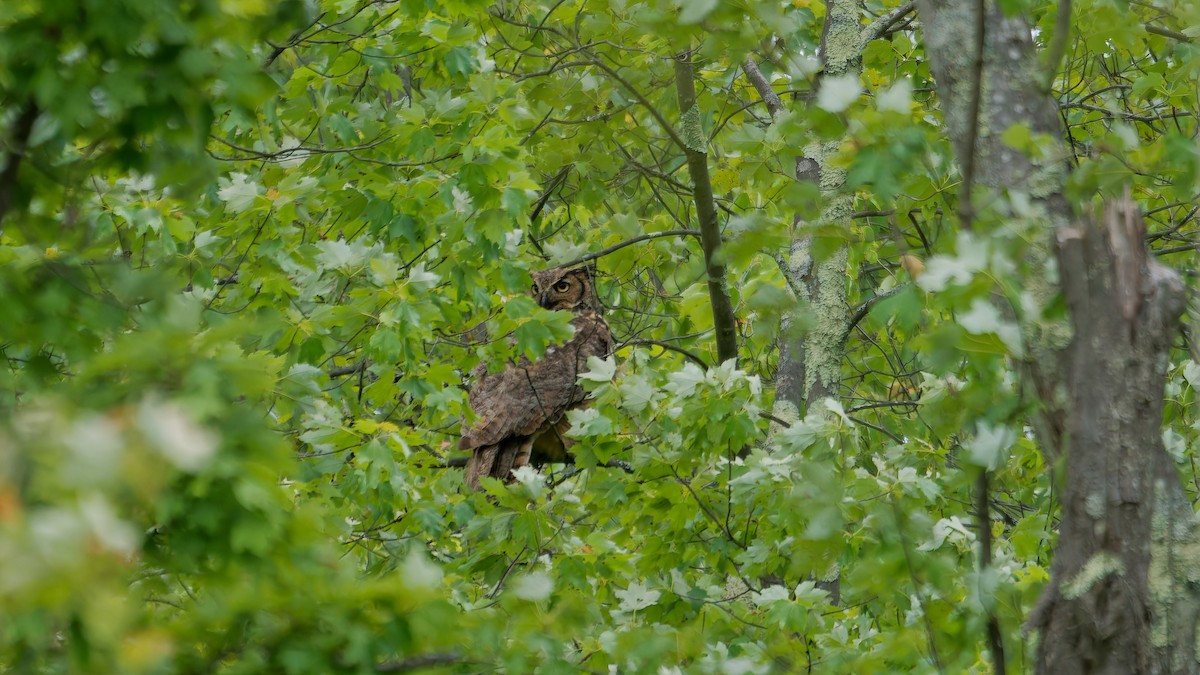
[525,396]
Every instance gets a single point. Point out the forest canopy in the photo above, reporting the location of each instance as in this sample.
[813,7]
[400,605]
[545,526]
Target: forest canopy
[904,369]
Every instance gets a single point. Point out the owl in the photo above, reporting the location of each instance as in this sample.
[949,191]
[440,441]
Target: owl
[520,411]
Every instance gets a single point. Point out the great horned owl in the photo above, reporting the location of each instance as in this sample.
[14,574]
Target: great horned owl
[520,410]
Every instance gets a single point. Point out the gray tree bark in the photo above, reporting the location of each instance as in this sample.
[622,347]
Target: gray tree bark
[1009,79]
[810,364]
[1111,607]
[1123,595]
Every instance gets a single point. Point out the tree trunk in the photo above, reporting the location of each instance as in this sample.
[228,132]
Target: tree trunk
[1106,610]
[1006,84]
[810,364]
[1123,592]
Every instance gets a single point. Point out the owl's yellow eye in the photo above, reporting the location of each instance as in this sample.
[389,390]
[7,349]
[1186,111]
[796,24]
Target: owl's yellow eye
[562,286]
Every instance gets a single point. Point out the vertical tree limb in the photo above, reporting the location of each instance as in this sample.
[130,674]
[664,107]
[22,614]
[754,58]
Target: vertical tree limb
[810,364]
[696,151]
[995,637]
[1009,95]
[1100,614]
[790,392]
[966,209]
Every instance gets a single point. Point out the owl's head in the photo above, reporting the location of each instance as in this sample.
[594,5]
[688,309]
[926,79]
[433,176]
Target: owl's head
[569,289]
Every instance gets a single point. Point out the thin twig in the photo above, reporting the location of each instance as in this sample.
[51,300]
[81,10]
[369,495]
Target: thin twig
[994,636]
[342,371]
[690,355]
[629,242]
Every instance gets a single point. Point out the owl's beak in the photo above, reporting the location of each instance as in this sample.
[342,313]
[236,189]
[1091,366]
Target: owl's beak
[544,299]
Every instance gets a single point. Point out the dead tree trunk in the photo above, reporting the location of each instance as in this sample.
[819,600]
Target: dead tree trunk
[1122,597]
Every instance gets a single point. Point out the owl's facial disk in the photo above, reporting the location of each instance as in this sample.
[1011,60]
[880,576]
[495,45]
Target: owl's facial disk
[563,293]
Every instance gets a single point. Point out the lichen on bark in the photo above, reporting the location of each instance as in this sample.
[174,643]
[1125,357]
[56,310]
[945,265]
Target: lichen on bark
[693,132]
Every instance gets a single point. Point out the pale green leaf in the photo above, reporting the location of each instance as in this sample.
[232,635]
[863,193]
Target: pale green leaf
[838,93]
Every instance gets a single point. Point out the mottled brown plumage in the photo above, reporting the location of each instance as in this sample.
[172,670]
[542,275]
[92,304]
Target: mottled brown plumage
[520,411]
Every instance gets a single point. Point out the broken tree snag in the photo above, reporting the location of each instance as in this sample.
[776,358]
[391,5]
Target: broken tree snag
[1123,505]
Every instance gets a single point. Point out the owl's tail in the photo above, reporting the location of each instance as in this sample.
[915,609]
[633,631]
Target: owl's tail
[498,461]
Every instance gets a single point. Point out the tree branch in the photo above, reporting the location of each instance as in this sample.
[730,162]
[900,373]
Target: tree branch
[881,25]
[629,242]
[764,88]
[342,371]
[861,311]
[667,126]
[1167,32]
[691,356]
[724,319]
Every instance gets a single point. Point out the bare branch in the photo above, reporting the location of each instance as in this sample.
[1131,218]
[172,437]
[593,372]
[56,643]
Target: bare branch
[764,88]
[342,371]
[1167,32]
[690,355]
[629,242]
[881,25]
[861,311]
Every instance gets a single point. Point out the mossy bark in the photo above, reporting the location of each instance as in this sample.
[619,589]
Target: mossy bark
[810,364]
[1123,593]
[696,150]
[1011,97]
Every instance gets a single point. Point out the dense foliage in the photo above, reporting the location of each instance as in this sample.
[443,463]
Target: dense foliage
[248,247]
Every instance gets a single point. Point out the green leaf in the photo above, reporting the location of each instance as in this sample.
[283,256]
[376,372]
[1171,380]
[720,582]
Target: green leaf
[460,61]
[989,447]
[238,192]
[695,11]
[1147,85]
[637,597]
[839,93]
[534,587]
[599,370]
[589,422]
